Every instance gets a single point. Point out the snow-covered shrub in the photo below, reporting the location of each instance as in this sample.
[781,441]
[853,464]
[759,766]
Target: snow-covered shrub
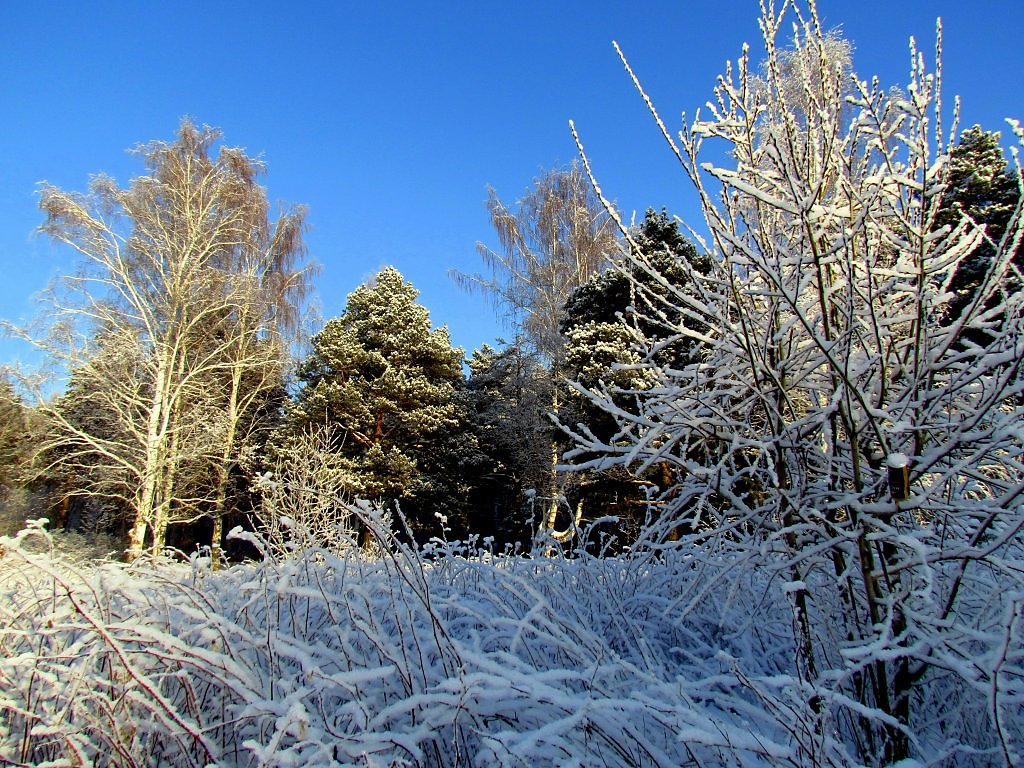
[829,342]
[325,659]
[301,496]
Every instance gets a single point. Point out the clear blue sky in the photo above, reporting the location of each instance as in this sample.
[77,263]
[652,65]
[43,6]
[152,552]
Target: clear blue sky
[389,119]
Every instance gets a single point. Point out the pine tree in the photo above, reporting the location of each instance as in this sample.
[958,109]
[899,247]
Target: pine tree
[388,386]
[629,305]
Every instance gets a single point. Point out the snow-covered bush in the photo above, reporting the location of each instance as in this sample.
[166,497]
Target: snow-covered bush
[302,502]
[321,659]
[829,343]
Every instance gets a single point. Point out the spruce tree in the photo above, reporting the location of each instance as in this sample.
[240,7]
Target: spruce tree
[605,318]
[14,450]
[616,326]
[509,393]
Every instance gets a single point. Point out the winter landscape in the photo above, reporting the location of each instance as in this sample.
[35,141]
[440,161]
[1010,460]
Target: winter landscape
[746,490]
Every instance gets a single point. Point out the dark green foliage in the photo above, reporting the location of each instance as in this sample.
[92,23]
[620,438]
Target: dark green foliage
[600,320]
[509,395]
[618,328]
[986,190]
[15,445]
[390,388]
[13,436]
[603,328]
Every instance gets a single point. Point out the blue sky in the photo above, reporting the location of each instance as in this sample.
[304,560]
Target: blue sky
[390,119]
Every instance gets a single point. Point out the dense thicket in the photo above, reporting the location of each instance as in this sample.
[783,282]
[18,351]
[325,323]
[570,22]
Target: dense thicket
[864,394]
[14,453]
[551,242]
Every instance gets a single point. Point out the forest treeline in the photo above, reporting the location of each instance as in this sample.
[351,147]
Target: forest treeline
[184,396]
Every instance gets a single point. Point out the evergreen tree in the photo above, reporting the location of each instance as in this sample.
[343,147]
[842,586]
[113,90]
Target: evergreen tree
[389,386]
[508,396]
[601,321]
[13,434]
[981,187]
[616,325]
[14,441]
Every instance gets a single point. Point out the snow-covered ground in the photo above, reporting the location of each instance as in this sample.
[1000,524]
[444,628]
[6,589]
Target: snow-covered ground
[322,660]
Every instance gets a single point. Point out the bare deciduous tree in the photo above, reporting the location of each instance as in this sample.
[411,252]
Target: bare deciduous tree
[555,239]
[190,286]
[826,364]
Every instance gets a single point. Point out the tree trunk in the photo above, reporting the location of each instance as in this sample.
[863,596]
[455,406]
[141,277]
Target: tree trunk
[551,514]
[365,537]
[137,539]
[144,512]
[223,472]
[161,518]
[218,536]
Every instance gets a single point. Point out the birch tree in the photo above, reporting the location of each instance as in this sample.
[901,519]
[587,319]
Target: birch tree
[872,444]
[552,242]
[173,324]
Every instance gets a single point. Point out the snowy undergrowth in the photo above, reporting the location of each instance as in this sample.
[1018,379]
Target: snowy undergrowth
[326,659]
